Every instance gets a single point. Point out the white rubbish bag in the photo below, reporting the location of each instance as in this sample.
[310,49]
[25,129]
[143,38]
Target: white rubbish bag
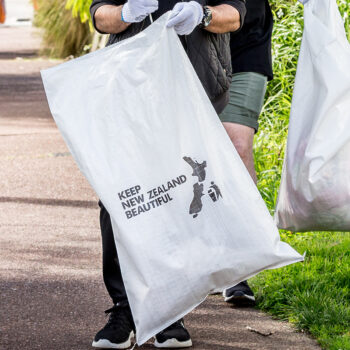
[315,186]
[186,216]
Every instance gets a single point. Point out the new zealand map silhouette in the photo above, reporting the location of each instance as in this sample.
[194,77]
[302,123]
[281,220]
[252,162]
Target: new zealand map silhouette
[199,171]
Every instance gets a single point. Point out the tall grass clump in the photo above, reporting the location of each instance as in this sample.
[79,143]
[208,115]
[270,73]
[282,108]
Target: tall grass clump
[63,34]
[314,295]
[271,139]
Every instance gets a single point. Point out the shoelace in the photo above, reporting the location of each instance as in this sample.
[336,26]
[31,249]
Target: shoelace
[176,324]
[245,283]
[120,318]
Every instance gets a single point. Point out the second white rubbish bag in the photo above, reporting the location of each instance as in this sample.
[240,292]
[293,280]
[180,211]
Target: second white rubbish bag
[315,185]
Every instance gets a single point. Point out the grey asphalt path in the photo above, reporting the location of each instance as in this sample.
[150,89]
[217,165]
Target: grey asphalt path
[51,290]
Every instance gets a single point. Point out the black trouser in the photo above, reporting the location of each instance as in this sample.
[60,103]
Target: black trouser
[112,275]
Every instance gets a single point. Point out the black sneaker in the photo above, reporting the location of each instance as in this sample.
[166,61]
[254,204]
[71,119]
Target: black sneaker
[240,295]
[118,331]
[175,336]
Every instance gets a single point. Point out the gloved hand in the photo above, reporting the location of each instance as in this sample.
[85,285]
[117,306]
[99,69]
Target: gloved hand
[137,10]
[185,17]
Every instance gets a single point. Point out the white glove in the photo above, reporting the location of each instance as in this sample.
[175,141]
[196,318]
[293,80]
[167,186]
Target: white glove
[137,10]
[185,16]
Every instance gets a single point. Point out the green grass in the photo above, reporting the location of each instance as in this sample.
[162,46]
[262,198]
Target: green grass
[314,295]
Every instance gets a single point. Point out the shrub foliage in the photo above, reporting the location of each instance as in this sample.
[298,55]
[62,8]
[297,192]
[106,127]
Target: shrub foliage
[63,34]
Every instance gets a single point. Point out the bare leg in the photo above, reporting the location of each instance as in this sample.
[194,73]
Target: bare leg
[242,138]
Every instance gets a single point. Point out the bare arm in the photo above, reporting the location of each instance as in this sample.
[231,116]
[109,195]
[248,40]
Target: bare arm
[225,19]
[108,19]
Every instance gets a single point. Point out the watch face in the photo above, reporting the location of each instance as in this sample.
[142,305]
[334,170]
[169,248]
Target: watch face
[207,17]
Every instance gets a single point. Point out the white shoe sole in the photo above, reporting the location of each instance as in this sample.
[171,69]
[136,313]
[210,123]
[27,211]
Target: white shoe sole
[242,298]
[173,343]
[106,344]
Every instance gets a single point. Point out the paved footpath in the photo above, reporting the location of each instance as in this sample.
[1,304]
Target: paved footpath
[51,291]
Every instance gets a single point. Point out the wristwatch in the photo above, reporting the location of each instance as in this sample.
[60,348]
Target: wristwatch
[207,17]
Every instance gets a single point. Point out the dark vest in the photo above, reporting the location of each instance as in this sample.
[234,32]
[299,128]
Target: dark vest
[209,54]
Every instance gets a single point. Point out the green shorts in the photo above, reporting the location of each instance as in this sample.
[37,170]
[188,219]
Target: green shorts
[247,93]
